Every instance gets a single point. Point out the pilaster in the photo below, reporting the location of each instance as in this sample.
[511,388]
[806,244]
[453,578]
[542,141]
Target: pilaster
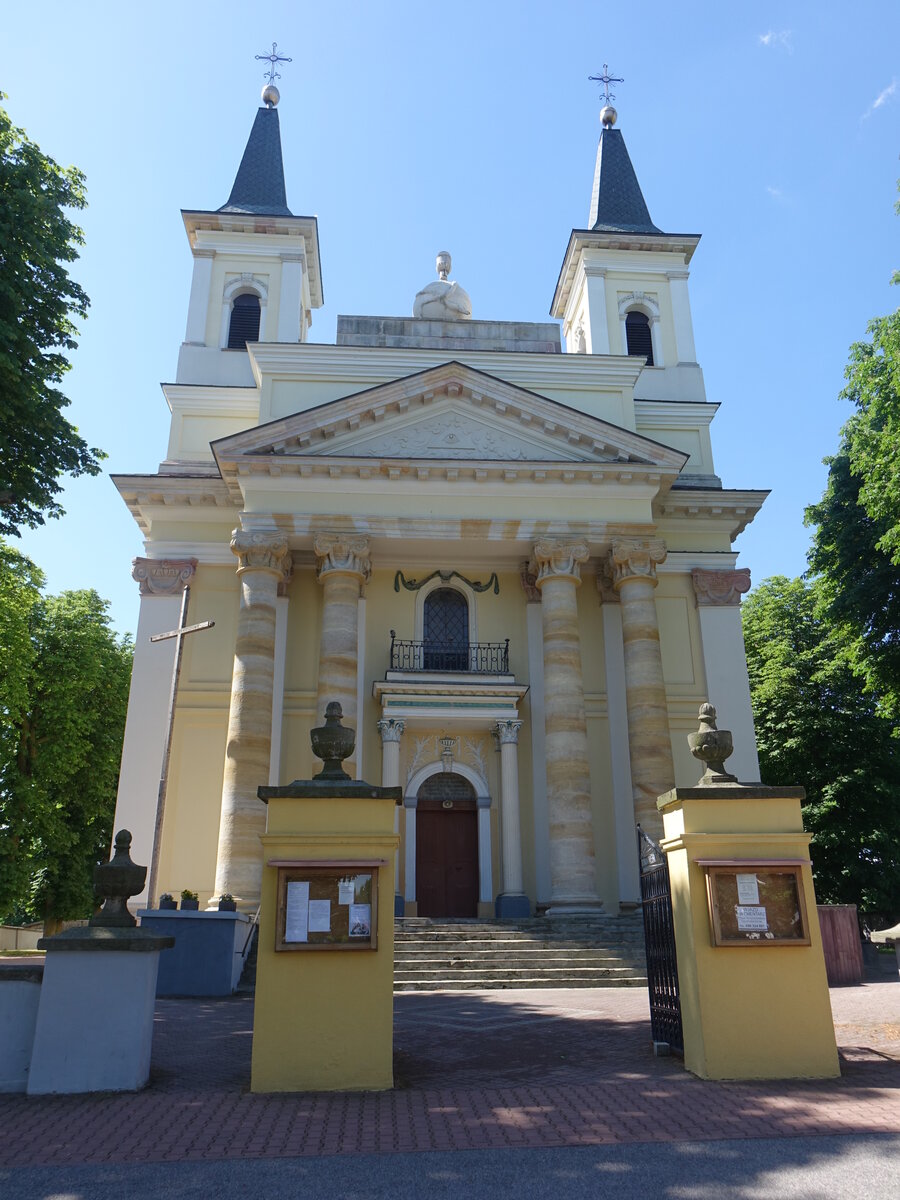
[343,567]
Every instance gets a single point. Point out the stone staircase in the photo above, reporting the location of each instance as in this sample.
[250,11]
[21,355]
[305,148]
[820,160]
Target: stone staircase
[537,952]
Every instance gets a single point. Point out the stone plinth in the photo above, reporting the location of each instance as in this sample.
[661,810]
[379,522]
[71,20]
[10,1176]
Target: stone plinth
[538,337]
[20,993]
[208,955]
[323,1018]
[760,1010]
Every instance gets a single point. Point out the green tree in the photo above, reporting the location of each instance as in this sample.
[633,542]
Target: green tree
[39,304]
[58,787]
[816,727]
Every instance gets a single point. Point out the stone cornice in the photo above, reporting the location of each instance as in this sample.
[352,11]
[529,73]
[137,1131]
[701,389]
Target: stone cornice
[734,507]
[556,558]
[261,551]
[342,554]
[636,558]
[145,495]
[163,576]
[720,587]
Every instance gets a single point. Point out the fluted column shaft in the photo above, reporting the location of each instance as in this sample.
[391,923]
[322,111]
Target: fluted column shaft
[510,823]
[264,561]
[572,870]
[343,568]
[634,563]
[391,731]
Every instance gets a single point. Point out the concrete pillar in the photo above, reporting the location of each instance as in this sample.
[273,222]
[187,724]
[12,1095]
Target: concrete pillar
[281,623]
[264,560]
[290,298]
[681,316]
[512,901]
[727,686]
[485,874]
[343,567]
[198,305]
[598,322]
[162,581]
[572,872]
[391,731]
[538,723]
[634,562]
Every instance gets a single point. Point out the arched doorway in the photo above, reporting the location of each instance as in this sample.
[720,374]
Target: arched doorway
[446,847]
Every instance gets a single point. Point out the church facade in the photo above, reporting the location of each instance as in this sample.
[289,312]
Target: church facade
[501,546]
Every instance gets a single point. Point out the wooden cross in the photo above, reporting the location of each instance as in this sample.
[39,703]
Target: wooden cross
[179,634]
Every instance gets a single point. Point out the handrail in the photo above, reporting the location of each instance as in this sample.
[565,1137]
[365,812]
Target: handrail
[479,658]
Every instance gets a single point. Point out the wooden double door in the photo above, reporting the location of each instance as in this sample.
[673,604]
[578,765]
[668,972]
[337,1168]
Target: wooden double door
[446,847]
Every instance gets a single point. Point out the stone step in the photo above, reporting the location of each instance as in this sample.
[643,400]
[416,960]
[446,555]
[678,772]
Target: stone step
[466,953]
[551,976]
[455,985]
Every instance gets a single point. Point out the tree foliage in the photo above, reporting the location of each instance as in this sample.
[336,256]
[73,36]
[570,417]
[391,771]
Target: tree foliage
[816,727]
[60,743]
[39,304]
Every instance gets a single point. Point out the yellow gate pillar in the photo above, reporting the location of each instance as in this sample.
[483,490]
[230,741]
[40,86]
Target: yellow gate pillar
[751,970]
[323,1015]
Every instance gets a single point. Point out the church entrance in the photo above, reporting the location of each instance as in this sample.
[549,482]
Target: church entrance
[446,847]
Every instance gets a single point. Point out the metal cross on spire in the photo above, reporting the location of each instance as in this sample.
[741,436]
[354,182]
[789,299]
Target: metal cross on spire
[606,79]
[274,58]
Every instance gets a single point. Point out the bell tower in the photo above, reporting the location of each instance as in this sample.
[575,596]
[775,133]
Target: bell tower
[623,287]
[257,273]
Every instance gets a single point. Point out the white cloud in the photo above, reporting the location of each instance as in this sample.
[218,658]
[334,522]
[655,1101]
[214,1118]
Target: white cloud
[776,193]
[780,39]
[882,98]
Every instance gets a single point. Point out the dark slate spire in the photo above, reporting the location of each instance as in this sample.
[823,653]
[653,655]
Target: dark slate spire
[617,203]
[259,183]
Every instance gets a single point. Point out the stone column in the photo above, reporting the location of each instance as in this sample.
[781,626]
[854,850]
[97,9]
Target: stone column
[391,730]
[572,874]
[343,567]
[633,562]
[725,664]
[263,559]
[512,901]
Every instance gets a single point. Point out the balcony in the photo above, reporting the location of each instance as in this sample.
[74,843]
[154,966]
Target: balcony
[477,658]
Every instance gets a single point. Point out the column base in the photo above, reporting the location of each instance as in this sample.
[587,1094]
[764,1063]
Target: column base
[399,905]
[577,906]
[512,904]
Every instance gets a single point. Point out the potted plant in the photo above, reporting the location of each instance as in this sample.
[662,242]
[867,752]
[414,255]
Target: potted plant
[227,903]
[190,901]
[167,901]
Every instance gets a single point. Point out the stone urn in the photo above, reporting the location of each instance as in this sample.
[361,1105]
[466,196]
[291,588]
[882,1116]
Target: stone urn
[711,746]
[115,882]
[332,743]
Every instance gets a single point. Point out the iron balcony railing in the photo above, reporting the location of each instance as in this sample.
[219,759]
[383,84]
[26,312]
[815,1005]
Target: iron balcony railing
[480,658]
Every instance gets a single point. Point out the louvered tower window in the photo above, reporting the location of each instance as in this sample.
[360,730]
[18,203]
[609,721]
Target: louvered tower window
[244,325]
[446,631]
[637,335]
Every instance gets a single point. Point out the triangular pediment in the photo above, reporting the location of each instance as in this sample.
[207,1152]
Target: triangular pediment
[454,414]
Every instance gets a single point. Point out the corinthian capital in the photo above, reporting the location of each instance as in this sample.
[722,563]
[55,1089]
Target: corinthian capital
[507,732]
[342,554]
[390,728]
[163,576]
[261,551]
[720,587]
[558,560]
[636,558]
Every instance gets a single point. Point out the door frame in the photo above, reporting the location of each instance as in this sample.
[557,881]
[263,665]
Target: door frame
[483,809]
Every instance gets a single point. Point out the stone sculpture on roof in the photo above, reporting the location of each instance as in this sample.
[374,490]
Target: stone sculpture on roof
[442,300]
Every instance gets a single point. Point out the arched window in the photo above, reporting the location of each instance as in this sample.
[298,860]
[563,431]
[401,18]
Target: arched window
[446,631]
[637,335]
[244,324]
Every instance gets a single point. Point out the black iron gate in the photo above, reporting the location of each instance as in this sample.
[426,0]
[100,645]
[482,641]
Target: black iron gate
[659,939]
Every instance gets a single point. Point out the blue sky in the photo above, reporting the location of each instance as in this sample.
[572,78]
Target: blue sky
[769,128]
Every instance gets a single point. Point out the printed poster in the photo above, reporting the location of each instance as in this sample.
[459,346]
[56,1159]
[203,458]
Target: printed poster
[360,920]
[747,889]
[320,916]
[751,918]
[346,891]
[296,917]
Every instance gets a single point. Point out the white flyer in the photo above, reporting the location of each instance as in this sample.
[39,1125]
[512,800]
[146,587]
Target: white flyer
[751,918]
[296,917]
[360,920]
[346,891]
[320,916]
[748,889]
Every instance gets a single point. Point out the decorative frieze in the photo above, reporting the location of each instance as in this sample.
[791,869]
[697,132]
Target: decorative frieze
[342,554]
[636,558]
[720,587]
[163,576]
[261,551]
[558,560]
[528,575]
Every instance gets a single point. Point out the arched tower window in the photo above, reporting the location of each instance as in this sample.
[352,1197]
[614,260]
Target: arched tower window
[244,324]
[446,631]
[637,335]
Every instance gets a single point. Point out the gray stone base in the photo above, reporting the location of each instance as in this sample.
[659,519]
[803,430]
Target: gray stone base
[512,906]
[399,906]
[534,337]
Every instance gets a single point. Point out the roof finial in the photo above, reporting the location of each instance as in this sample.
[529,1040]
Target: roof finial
[270,93]
[608,114]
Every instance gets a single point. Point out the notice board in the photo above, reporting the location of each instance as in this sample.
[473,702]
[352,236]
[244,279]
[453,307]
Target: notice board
[327,907]
[754,903]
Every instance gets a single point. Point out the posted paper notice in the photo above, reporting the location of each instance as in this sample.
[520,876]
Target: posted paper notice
[296,917]
[346,891]
[748,889]
[360,920]
[751,918]
[320,916]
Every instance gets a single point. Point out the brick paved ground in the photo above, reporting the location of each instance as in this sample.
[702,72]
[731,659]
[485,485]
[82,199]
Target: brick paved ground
[474,1070]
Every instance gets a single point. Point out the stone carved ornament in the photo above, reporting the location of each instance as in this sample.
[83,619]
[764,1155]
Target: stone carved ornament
[261,551]
[451,435]
[163,576]
[720,587]
[390,728]
[559,559]
[442,300]
[342,553]
[636,558]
